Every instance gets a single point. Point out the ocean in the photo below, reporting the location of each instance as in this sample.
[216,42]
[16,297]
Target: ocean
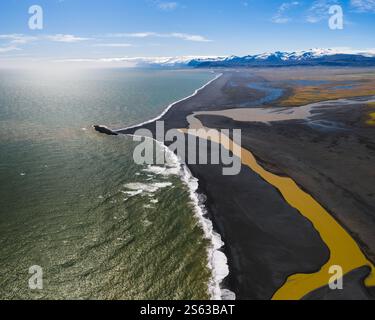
[73,201]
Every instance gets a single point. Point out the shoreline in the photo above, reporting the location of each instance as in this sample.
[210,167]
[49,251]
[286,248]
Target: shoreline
[169,107]
[235,272]
[301,285]
[216,258]
[266,238]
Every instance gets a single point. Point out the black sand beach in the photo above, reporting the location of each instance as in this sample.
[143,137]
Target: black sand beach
[266,239]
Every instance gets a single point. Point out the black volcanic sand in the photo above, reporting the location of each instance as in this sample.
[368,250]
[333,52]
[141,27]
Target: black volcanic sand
[221,94]
[266,239]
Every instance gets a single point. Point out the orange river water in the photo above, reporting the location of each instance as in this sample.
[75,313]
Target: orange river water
[345,252]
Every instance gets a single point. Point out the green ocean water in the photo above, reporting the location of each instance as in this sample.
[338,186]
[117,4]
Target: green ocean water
[67,194]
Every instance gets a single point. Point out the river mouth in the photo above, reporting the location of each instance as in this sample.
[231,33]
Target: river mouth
[301,281]
[344,251]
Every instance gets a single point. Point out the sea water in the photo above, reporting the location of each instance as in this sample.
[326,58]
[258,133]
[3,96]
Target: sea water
[73,201]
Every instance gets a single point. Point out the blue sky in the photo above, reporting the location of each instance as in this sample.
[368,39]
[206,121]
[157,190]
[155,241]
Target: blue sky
[93,29]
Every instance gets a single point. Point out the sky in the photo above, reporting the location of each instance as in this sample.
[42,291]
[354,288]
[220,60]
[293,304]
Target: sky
[101,29]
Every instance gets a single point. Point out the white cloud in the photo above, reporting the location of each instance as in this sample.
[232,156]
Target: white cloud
[177,35]
[320,10]
[167,6]
[280,17]
[114,45]
[23,39]
[9,49]
[68,38]
[134,35]
[363,5]
[189,37]
[17,38]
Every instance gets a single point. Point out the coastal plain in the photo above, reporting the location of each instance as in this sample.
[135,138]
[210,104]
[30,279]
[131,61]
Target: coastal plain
[314,128]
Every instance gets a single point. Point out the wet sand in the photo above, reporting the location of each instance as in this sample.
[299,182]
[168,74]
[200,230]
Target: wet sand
[267,239]
[344,251]
[269,115]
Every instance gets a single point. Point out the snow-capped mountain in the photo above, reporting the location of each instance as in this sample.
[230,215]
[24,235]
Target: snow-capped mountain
[313,57]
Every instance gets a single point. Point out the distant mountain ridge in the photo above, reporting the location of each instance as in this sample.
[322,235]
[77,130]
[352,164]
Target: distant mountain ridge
[313,57]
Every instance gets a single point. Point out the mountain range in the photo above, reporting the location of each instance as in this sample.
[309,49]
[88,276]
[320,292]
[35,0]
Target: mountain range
[313,57]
